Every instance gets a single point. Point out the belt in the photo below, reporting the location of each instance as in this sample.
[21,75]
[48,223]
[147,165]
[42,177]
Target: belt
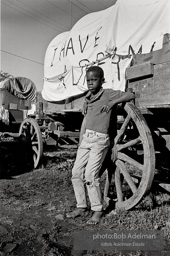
[91,132]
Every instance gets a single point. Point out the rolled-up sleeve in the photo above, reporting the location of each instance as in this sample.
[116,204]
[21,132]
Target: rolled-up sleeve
[115,94]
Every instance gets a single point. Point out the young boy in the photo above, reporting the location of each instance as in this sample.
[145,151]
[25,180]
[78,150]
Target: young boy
[94,143]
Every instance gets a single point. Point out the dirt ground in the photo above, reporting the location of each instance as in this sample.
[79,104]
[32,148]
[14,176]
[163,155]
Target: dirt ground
[33,206]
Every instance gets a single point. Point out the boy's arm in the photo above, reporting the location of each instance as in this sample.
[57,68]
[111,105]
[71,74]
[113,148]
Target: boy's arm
[127,96]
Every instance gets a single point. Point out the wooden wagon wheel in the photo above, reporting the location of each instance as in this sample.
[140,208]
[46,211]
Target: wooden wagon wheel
[134,157]
[30,128]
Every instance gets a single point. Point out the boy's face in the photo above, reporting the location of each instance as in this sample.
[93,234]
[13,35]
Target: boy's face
[94,81]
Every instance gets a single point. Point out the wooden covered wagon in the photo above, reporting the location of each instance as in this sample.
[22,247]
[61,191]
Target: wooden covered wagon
[16,98]
[141,150]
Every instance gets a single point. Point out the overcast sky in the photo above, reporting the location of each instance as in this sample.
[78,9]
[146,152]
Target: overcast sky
[28,26]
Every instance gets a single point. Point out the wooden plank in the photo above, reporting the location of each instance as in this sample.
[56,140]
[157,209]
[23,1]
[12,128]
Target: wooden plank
[167,140]
[165,186]
[138,71]
[66,134]
[7,99]
[72,104]
[16,116]
[155,57]
[50,141]
[154,91]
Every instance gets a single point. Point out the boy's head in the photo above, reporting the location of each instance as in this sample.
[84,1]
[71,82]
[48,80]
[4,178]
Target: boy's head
[95,78]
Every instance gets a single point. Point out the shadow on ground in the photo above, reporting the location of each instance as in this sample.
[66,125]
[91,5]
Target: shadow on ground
[15,157]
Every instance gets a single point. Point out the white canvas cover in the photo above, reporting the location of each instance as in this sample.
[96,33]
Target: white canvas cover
[107,38]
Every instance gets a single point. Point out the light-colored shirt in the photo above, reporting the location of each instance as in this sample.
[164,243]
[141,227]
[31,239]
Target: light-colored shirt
[95,119]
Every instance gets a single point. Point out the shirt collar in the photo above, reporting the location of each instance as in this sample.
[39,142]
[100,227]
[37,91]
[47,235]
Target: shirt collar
[91,98]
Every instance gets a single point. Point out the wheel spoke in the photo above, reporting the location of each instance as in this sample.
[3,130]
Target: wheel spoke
[35,149]
[118,185]
[31,129]
[129,144]
[122,129]
[130,160]
[33,135]
[136,178]
[126,175]
[34,143]
[35,158]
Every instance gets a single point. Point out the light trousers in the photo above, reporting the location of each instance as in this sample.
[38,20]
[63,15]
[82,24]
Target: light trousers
[89,159]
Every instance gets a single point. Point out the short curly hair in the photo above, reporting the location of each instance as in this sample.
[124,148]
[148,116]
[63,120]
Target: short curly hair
[96,69]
